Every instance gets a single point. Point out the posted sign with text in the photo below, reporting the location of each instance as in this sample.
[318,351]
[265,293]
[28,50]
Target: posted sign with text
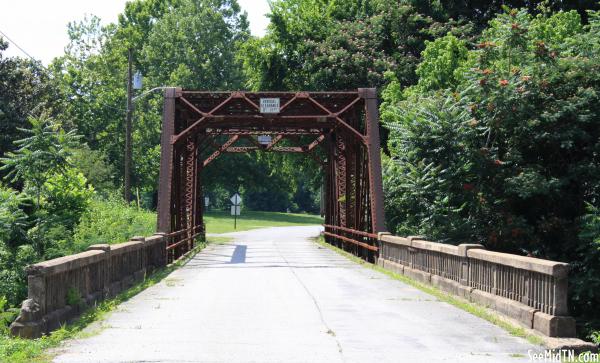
[269,105]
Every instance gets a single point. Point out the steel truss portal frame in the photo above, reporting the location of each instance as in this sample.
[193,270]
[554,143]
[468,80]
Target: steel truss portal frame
[343,125]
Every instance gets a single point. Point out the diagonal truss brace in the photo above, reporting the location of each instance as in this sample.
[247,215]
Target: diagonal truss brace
[219,151]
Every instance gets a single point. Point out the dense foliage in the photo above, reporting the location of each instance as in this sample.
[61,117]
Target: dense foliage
[491,122]
[25,87]
[499,144]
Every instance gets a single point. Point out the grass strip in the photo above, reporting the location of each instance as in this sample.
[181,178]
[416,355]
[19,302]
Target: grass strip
[222,222]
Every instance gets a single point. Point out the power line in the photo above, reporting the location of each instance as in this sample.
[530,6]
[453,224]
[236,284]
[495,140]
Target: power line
[38,62]
[19,48]
[42,65]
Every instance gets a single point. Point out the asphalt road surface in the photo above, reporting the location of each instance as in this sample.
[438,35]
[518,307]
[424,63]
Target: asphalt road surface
[273,295]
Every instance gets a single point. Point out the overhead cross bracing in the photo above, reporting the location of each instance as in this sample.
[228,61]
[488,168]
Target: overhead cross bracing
[338,130]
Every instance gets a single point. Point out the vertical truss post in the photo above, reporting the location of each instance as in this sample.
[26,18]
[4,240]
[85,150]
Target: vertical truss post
[165,201]
[341,195]
[330,192]
[374,158]
[199,202]
[180,183]
[190,191]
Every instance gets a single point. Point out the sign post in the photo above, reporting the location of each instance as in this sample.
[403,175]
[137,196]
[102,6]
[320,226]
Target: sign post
[236,200]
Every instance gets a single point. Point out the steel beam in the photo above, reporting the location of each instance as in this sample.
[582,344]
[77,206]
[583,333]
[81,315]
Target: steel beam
[166,162]
[353,194]
[223,147]
[374,160]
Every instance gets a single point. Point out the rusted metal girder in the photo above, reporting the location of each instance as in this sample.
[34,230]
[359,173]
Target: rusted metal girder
[223,147]
[200,126]
[279,131]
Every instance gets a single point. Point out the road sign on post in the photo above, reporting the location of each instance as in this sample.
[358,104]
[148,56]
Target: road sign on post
[236,200]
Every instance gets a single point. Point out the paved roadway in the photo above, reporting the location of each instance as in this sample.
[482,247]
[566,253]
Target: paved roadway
[273,295]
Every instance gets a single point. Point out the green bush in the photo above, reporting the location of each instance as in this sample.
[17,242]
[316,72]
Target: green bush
[67,196]
[13,220]
[112,221]
[504,149]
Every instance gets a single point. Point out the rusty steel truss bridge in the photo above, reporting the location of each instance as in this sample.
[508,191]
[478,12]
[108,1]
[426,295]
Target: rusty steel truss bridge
[338,130]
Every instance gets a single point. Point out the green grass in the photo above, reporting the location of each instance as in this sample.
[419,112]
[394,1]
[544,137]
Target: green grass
[112,221]
[17,350]
[222,222]
[477,310]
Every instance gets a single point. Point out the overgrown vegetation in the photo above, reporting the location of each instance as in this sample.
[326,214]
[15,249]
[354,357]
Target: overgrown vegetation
[491,123]
[499,144]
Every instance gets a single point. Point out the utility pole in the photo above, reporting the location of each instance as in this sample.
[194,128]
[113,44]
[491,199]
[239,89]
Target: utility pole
[127,162]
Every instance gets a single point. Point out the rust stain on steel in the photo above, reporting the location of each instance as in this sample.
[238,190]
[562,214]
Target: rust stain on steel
[339,130]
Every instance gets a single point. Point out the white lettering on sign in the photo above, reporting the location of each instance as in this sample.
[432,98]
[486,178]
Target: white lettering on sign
[269,105]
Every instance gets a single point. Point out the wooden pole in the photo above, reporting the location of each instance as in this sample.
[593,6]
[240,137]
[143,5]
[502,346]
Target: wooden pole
[128,127]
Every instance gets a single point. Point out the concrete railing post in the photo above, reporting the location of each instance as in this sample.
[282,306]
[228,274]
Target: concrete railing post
[163,256]
[381,253]
[559,296]
[413,253]
[143,257]
[462,250]
[105,267]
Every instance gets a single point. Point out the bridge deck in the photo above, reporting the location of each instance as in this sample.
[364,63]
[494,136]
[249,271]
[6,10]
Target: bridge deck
[272,295]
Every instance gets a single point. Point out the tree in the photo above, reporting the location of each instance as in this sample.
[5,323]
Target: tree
[13,220]
[25,89]
[45,151]
[194,45]
[500,146]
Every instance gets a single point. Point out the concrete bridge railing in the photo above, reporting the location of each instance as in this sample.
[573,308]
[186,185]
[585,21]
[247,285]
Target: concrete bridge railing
[532,291]
[529,290]
[60,289]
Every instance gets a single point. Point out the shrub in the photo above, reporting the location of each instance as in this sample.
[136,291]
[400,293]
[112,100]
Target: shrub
[112,221]
[67,196]
[507,153]
[13,220]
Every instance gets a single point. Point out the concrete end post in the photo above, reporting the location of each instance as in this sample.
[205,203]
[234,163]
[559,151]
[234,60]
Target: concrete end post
[163,256]
[380,254]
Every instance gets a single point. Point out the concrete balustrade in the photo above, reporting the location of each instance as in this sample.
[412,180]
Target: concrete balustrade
[529,290]
[60,289]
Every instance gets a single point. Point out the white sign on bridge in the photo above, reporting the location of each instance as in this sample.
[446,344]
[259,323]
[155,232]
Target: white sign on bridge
[264,139]
[269,105]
